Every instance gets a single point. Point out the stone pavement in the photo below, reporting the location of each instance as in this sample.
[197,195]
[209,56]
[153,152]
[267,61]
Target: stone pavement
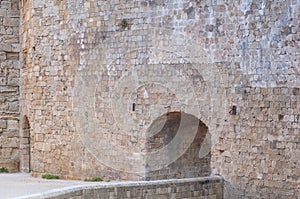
[22,185]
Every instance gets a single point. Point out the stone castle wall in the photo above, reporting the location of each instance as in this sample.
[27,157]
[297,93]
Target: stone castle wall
[9,84]
[97,74]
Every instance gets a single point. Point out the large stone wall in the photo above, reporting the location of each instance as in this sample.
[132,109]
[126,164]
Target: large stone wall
[264,145]
[9,84]
[98,73]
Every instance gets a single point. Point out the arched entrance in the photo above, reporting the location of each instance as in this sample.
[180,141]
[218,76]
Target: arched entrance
[25,146]
[190,164]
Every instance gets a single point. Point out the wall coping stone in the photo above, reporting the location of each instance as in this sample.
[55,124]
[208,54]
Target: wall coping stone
[119,184]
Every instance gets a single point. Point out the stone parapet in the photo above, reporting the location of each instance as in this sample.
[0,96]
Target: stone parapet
[192,188]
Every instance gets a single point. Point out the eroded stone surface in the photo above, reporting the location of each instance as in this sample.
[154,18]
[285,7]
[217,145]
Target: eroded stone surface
[86,64]
[9,84]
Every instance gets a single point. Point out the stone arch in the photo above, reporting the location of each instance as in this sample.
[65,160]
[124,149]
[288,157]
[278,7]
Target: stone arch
[188,164]
[25,146]
[112,87]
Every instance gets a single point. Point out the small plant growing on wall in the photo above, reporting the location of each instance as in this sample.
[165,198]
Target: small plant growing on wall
[124,24]
[50,176]
[3,170]
[94,179]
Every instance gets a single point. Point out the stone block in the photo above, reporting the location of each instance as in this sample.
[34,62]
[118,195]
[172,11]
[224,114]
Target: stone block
[13,81]
[3,81]
[5,47]
[15,48]
[3,124]
[11,22]
[2,55]
[3,12]
[14,107]
[12,124]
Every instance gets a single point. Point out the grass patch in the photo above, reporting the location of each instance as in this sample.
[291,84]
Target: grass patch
[50,176]
[3,170]
[94,179]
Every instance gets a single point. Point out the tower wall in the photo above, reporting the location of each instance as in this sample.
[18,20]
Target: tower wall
[9,84]
[98,73]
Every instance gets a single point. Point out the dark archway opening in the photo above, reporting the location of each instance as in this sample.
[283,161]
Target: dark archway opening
[192,163]
[25,146]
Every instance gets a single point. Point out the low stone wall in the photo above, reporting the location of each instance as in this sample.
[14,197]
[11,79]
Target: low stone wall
[208,187]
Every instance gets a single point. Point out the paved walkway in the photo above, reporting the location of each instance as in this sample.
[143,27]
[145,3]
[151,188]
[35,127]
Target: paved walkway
[21,185]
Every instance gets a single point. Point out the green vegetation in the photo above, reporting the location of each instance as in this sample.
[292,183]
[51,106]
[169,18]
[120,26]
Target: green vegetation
[50,176]
[124,24]
[94,179]
[3,170]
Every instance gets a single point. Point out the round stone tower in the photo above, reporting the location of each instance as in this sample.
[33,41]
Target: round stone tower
[146,90]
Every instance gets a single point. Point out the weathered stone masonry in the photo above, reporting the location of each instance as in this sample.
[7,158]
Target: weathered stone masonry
[209,187]
[9,84]
[85,63]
